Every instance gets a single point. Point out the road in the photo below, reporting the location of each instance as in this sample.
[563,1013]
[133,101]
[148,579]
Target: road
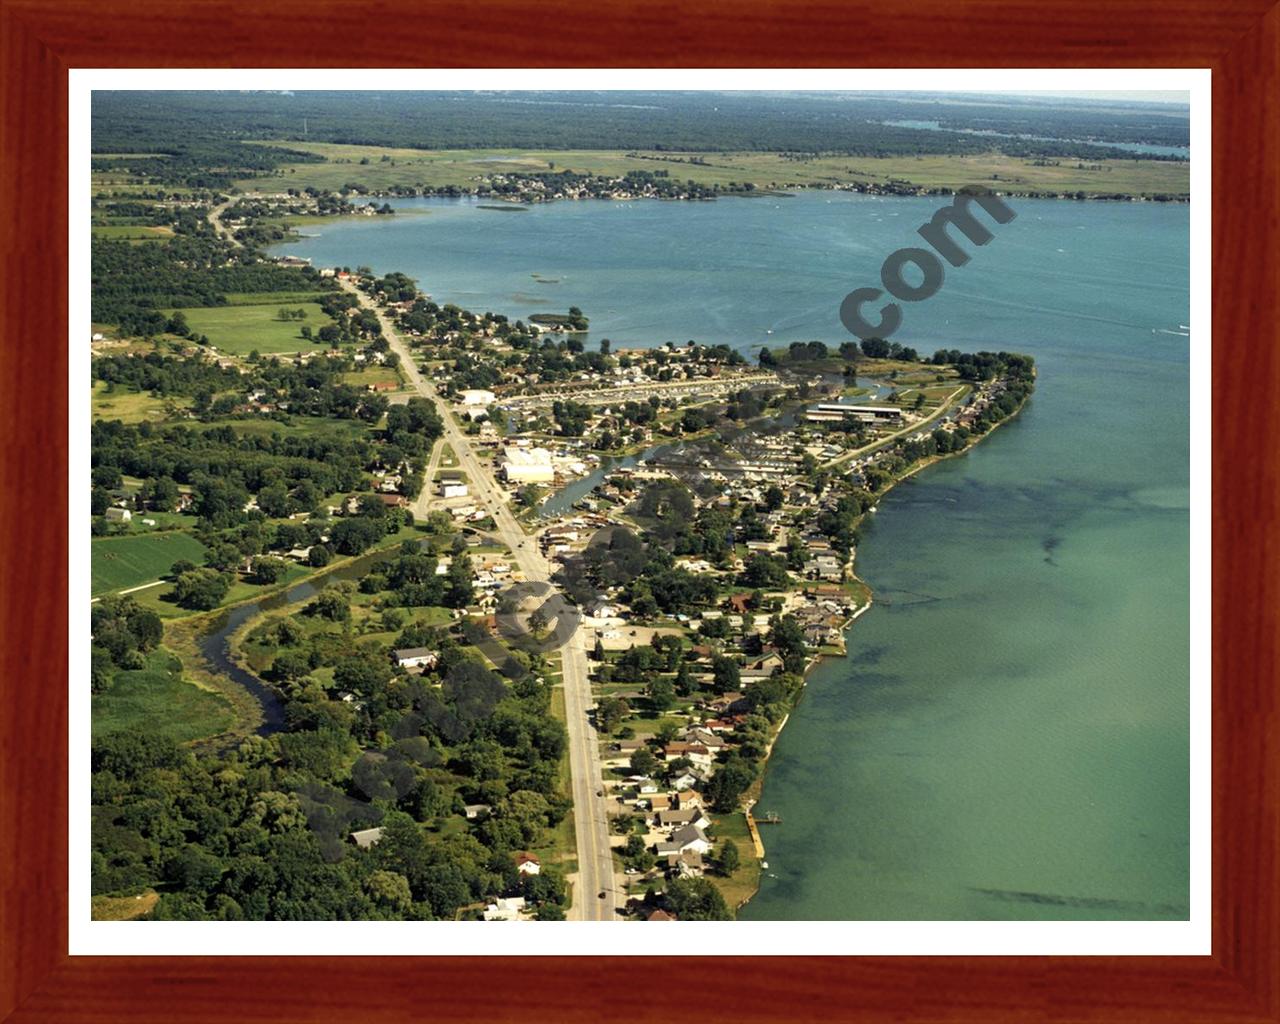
[591,823]
[215,218]
[910,428]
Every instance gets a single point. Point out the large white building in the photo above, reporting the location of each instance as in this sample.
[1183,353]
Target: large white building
[478,397]
[528,466]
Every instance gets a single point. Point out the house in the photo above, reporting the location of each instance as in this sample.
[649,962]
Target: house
[684,816]
[118,515]
[688,798]
[696,753]
[300,554]
[393,500]
[603,610]
[367,837]
[685,865]
[660,801]
[705,737]
[661,915]
[685,780]
[416,657]
[474,811]
[690,837]
[506,909]
[528,864]
[768,663]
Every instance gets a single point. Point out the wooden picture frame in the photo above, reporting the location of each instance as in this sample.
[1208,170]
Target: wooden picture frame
[41,39]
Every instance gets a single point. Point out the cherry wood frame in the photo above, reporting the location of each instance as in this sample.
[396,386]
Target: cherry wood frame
[41,39]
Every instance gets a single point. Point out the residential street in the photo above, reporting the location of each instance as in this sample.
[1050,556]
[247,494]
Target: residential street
[595,862]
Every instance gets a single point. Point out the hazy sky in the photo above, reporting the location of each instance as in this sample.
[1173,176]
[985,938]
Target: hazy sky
[1131,95]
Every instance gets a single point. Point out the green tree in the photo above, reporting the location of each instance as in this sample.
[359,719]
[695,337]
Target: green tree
[201,589]
[265,569]
[697,899]
[459,582]
[729,858]
[643,762]
[727,673]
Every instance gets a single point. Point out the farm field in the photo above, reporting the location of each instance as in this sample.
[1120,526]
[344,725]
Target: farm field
[122,562]
[412,167]
[157,700]
[238,330]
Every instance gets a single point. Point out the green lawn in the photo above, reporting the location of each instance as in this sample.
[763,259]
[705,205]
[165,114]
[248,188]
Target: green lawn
[133,406]
[238,330]
[120,562]
[156,699]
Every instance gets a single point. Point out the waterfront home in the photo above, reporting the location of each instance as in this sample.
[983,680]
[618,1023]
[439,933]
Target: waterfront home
[685,816]
[688,864]
[690,837]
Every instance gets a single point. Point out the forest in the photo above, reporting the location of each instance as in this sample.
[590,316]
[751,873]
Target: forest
[216,124]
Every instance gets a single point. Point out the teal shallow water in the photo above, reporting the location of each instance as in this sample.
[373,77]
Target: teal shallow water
[1009,735]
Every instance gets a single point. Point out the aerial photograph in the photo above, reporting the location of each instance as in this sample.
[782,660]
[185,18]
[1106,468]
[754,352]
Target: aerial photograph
[639,506]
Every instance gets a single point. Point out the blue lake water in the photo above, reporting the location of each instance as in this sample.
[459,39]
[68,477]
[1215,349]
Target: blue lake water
[1009,735]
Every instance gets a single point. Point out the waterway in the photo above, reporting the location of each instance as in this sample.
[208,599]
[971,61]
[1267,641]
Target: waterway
[1009,735]
[1149,148]
[215,644]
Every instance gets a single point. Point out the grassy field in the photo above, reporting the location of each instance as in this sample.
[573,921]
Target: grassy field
[238,330]
[156,699]
[132,406]
[121,562]
[133,233]
[124,908]
[411,167]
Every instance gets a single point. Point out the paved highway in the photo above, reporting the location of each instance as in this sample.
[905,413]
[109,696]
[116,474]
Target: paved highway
[595,861]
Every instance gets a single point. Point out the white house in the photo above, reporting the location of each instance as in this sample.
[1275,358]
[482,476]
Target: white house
[416,657]
[506,909]
[528,864]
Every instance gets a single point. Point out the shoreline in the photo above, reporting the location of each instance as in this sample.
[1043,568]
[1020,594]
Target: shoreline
[752,796]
